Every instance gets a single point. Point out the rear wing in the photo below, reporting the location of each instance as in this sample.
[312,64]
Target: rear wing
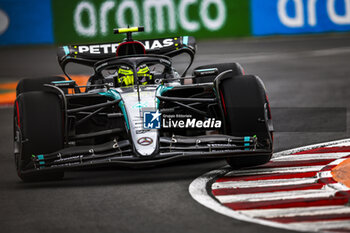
[89,54]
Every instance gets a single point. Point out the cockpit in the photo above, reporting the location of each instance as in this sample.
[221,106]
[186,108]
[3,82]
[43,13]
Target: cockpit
[132,70]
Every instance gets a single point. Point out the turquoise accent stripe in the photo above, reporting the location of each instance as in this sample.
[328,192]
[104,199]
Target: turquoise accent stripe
[210,69]
[161,89]
[69,81]
[246,144]
[122,107]
[41,162]
[115,95]
[246,139]
[40,157]
[112,94]
[185,40]
[66,49]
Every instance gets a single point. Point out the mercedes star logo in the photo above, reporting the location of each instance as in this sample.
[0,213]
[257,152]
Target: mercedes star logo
[145,141]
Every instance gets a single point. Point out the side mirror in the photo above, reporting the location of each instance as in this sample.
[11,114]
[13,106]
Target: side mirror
[64,84]
[206,72]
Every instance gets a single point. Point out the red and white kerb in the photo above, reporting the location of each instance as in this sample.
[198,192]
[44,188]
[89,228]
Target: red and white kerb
[297,190]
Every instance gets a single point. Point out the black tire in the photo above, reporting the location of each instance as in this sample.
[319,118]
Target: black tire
[235,67]
[38,129]
[37,84]
[245,112]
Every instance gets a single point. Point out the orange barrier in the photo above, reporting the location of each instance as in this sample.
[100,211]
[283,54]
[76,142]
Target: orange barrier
[341,173]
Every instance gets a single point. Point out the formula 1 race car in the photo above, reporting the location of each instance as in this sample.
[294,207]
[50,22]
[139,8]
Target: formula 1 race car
[136,110]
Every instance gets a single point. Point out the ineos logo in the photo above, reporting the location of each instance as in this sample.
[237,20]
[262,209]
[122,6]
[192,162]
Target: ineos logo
[145,141]
[4,22]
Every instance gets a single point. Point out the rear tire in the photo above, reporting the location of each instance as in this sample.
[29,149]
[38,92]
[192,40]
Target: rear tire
[246,109]
[235,67]
[37,84]
[38,129]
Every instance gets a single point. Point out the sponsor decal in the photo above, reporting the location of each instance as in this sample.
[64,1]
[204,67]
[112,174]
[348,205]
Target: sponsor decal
[145,141]
[142,131]
[142,14]
[191,123]
[98,49]
[152,120]
[205,72]
[94,20]
[158,44]
[182,121]
[220,145]
[299,16]
[112,48]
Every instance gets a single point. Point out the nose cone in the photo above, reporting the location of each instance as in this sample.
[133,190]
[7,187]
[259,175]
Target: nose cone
[145,140]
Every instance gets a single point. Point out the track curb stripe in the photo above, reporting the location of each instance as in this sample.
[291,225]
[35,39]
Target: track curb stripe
[230,191]
[288,196]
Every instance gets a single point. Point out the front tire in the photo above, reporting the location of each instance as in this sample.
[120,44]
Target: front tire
[38,129]
[246,111]
[37,84]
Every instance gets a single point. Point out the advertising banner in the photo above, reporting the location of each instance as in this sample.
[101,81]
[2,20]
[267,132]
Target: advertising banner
[25,22]
[94,20]
[91,21]
[299,16]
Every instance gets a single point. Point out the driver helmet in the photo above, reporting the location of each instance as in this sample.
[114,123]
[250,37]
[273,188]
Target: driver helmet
[126,75]
[144,74]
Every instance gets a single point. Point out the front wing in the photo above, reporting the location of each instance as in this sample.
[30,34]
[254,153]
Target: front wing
[171,149]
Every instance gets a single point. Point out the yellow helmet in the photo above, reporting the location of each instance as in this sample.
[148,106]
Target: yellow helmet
[144,74]
[126,75]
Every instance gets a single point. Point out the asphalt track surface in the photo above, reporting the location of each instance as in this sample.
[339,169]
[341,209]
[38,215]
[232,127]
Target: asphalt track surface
[309,71]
